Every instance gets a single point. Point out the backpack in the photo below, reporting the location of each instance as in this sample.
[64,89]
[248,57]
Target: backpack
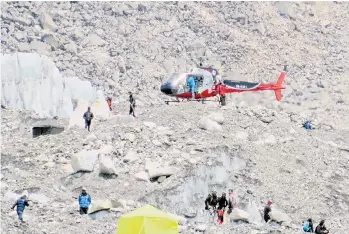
[306,226]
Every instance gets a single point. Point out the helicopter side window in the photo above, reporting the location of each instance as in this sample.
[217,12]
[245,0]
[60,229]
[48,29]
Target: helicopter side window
[198,82]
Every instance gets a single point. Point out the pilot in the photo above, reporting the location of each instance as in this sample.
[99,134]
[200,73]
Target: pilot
[191,84]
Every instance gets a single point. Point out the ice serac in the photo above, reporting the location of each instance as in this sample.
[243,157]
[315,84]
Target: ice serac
[32,82]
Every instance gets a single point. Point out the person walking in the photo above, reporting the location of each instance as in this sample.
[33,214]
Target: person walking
[21,203]
[132,104]
[88,116]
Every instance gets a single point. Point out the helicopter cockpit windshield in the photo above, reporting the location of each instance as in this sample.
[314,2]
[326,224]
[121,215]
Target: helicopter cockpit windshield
[176,79]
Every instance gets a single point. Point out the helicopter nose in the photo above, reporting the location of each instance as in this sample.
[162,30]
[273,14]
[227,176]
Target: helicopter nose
[166,88]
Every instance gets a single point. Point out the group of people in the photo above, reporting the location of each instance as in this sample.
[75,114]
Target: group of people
[213,200]
[88,115]
[320,229]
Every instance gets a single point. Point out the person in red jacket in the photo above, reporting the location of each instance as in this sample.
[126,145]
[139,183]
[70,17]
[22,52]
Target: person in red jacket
[108,99]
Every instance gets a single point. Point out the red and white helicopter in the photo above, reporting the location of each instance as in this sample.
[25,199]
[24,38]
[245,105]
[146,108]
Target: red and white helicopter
[208,83]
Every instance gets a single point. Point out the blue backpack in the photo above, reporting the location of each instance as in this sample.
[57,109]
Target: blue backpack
[306,226]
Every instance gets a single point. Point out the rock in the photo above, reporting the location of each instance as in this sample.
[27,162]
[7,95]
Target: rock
[20,36]
[259,27]
[238,214]
[97,205]
[142,176]
[161,179]
[216,116]
[84,161]
[90,138]
[141,7]
[131,156]
[77,35]
[93,40]
[52,41]
[130,136]
[163,171]
[71,47]
[201,227]
[106,166]
[279,216]
[210,125]
[46,22]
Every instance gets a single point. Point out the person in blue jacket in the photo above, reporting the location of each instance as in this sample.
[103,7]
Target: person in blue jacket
[21,203]
[308,226]
[84,201]
[191,84]
[307,125]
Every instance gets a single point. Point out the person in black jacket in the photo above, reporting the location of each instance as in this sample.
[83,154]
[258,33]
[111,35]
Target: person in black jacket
[321,229]
[222,204]
[88,116]
[211,200]
[267,210]
[132,104]
[21,203]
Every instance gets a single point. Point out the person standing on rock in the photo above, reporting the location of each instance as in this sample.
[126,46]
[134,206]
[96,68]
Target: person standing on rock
[88,116]
[267,210]
[84,201]
[321,229]
[232,201]
[21,203]
[132,104]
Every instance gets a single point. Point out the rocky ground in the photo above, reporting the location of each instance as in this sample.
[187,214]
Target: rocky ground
[255,144]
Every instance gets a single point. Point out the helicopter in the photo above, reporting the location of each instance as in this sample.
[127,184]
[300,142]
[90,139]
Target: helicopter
[209,83]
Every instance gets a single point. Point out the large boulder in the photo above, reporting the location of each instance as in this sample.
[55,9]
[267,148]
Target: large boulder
[218,117]
[142,176]
[238,214]
[46,22]
[84,161]
[97,205]
[279,216]
[131,156]
[93,40]
[106,166]
[156,172]
[210,125]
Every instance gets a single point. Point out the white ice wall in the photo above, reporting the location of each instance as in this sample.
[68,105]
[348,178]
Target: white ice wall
[33,82]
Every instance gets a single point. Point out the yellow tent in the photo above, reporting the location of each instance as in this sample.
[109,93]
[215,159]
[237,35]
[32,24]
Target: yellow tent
[147,220]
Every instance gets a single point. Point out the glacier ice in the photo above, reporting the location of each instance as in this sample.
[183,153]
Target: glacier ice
[32,82]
